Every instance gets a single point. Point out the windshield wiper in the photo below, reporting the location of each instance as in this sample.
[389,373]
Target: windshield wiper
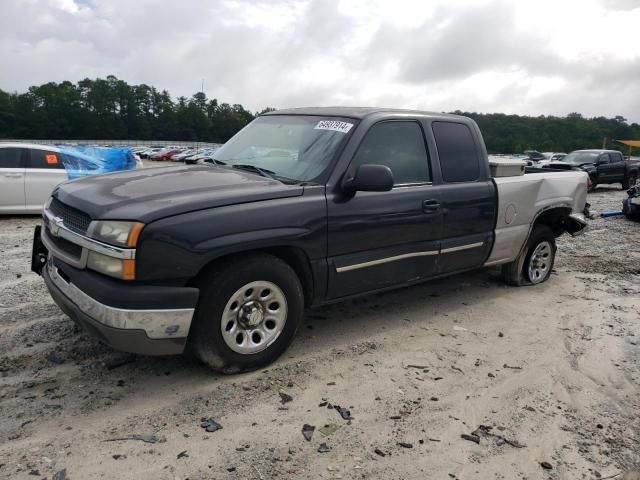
[214,161]
[259,170]
[252,168]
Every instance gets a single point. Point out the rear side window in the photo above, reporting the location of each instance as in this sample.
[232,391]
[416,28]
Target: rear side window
[616,157]
[459,157]
[44,159]
[10,158]
[400,146]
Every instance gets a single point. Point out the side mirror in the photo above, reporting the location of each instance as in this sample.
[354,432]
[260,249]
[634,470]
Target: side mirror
[370,178]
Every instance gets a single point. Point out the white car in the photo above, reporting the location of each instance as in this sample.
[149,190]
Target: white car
[28,175]
[551,157]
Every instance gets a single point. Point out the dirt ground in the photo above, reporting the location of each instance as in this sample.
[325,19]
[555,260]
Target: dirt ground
[549,373]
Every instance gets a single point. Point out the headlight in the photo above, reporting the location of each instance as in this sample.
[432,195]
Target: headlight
[122,234]
[114,267]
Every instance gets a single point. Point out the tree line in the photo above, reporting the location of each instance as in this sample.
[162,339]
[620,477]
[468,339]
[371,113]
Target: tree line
[110,108]
[515,133]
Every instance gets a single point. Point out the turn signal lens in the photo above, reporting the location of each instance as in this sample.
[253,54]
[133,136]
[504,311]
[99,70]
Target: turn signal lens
[134,234]
[129,269]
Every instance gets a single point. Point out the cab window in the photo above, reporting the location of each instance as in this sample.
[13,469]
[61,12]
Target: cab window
[398,145]
[459,157]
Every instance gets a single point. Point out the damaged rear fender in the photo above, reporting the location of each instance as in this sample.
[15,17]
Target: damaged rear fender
[576,224]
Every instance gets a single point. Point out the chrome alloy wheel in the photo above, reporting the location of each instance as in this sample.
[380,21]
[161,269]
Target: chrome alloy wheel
[540,262]
[254,317]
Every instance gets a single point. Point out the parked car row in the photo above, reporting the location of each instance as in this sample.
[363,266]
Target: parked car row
[176,154]
[602,166]
[539,159]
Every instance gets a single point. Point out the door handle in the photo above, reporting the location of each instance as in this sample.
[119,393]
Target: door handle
[13,175]
[430,205]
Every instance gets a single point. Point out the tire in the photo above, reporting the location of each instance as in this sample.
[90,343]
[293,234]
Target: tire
[262,301]
[535,262]
[630,181]
[631,212]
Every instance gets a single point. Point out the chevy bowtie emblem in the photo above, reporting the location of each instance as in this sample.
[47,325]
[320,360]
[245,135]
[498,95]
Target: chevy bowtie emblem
[55,225]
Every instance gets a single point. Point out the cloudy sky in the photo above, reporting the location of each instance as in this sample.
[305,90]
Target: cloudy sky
[519,56]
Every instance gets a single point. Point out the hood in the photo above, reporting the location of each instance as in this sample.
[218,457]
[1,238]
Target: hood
[560,165]
[148,194]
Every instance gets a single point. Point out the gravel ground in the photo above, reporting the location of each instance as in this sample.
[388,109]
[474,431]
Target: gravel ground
[551,373]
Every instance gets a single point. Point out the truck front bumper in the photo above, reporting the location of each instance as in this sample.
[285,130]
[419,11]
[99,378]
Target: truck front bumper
[146,331]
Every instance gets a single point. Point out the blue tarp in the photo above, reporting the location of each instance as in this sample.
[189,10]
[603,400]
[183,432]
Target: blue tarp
[80,161]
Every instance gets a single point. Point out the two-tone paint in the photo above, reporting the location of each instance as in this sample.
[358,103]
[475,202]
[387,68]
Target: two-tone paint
[339,243]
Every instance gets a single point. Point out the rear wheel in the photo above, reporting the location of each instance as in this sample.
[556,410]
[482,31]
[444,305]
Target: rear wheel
[630,181]
[535,262]
[538,265]
[247,314]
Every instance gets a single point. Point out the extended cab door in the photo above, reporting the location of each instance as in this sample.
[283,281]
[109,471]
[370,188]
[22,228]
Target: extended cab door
[380,239]
[11,180]
[615,168]
[467,196]
[604,166]
[44,171]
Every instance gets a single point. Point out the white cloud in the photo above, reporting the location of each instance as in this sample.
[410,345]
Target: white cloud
[528,57]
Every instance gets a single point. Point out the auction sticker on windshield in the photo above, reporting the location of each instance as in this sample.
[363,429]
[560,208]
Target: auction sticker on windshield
[335,125]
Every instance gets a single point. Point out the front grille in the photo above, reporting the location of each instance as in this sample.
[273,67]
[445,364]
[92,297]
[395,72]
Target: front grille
[71,249]
[73,218]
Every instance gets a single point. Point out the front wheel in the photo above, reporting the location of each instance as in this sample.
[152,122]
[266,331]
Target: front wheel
[248,312]
[535,262]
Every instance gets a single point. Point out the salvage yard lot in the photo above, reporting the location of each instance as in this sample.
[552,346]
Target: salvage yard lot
[554,370]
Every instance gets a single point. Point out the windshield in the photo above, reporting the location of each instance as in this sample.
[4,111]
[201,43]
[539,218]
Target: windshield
[294,147]
[578,158]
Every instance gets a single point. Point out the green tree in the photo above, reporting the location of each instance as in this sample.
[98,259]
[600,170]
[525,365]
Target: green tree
[110,108]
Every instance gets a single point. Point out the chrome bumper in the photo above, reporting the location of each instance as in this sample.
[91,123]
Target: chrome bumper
[157,324]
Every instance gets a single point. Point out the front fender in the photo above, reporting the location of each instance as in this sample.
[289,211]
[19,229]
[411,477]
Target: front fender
[179,247]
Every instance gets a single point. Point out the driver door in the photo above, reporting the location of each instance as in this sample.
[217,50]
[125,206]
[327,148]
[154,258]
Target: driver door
[604,168]
[380,239]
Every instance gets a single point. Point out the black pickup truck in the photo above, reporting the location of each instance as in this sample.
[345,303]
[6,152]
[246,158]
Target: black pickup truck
[602,166]
[300,208]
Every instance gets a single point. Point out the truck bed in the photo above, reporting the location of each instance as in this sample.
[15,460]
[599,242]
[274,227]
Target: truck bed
[523,197]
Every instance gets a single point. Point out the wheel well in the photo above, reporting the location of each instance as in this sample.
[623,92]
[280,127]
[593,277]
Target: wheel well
[295,257]
[556,219]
